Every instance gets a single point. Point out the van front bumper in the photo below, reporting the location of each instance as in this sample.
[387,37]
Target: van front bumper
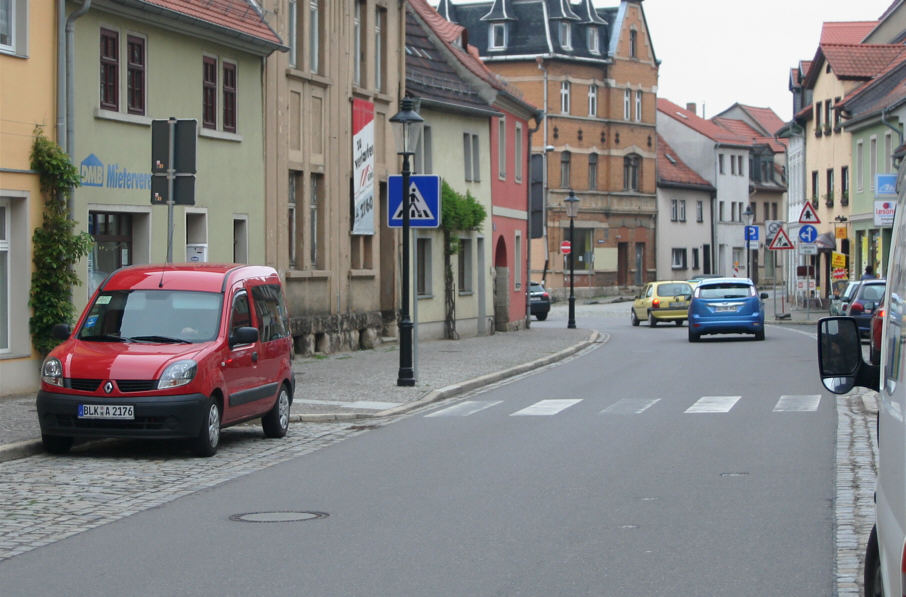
[155,417]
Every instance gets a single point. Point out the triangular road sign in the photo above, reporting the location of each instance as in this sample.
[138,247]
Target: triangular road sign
[808,215]
[418,207]
[781,241]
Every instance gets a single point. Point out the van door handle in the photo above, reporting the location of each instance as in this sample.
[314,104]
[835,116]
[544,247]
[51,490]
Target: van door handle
[254,357]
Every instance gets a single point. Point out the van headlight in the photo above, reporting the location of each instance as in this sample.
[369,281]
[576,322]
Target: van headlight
[52,372]
[178,373]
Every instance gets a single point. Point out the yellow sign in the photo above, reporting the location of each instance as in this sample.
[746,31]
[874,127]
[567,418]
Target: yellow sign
[838,259]
[840,232]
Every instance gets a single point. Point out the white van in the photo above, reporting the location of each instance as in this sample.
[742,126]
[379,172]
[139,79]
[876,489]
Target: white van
[842,366]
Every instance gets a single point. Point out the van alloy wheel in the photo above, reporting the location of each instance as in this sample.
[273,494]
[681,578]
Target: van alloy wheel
[276,422]
[209,436]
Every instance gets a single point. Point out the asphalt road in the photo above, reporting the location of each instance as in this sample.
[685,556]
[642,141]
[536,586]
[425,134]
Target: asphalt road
[663,468]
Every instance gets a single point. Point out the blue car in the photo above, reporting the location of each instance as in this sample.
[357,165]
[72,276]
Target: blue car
[726,306]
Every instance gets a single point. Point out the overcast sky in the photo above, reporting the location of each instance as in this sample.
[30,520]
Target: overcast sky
[718,52]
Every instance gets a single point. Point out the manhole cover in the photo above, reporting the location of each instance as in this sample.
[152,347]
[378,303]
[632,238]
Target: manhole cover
[277,516]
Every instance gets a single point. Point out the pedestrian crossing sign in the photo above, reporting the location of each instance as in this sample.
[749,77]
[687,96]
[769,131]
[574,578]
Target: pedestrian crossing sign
[424,201]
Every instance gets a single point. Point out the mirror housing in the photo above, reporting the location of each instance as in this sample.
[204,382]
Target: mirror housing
[243,335]
[61,331]
[763,295]
[840,361]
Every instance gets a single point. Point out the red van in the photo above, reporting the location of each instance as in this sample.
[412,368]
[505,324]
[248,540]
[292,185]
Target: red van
[171,351]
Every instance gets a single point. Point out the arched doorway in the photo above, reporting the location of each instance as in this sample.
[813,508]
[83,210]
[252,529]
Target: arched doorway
[501,286]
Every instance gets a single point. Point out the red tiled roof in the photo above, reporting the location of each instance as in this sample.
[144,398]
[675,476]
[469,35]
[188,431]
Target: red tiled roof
[859,61]
[671,169]
[698,124]
[765,117]
[236,15]
[847,32]
[884,100]
[743,130]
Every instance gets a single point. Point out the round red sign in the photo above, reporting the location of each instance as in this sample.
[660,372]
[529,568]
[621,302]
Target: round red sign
[566,247]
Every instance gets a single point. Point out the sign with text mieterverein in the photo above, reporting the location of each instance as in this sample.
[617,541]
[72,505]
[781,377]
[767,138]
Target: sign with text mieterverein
[363,166]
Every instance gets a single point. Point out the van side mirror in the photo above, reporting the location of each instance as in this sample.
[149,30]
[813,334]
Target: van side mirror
[243,335]
[61,331]
[840,362]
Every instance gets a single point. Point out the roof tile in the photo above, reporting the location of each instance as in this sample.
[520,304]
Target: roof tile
[237,15]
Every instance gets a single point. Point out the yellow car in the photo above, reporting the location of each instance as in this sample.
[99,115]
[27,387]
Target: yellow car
[662,301]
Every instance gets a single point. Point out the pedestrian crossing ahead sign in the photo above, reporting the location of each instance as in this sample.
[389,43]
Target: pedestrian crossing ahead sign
[424,201]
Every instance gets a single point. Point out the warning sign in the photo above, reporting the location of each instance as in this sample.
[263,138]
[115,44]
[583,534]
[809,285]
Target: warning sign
[780,242]
[808,215]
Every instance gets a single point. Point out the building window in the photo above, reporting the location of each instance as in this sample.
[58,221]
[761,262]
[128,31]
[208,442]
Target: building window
[14,27]
[836,115]
[110,68]
[887,164]
[229,97]
[592,171]
[592,100]
[315,14]
[627,101]
[292,17]
[699,211]
[695,265]
[678,259]
[209,93]
[422,159]
[380,49]
[501,148]
[582,252]
[517,261]
[518,157]
[827,116]
[720,163]
[565,159]
[465,266]
[471,157]
[733,165]
[135,75]
[844,183]
[295,183]
[423,267]
[633,39]
[818,118]
[677,210]
[594,45]
[872,163]
[566,35]
[498,36]
[829,180]
[564,97]
[317,245]
[814,185]
[859,158]
[358,44]
[631,172]
[638,105]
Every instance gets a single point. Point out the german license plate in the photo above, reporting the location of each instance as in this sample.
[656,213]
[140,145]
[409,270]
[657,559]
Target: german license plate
[725,309]
[678,305]
[106,411]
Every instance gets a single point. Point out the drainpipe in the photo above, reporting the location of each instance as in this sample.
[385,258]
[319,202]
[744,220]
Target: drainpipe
[61,72]
[538,118]
[70,93]
[890,126]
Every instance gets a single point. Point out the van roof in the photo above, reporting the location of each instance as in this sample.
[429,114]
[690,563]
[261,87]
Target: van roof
[203,277]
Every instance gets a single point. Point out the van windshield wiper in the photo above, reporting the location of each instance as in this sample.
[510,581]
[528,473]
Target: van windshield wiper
[161,339]
[104,338]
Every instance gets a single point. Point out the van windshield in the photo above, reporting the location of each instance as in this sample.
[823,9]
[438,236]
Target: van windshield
[155,316]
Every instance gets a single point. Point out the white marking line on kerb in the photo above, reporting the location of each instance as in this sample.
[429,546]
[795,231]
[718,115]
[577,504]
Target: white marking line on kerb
[713,404]
[798,404]
[545,408]
[630,406]
[464,409]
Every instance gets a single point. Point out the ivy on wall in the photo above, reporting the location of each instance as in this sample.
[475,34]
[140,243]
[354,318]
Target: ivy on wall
[460,213]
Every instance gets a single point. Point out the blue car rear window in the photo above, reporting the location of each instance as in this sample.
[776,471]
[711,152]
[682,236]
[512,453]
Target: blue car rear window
[726,291]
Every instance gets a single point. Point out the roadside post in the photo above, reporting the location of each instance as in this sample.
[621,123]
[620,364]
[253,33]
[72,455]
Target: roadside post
[173,153]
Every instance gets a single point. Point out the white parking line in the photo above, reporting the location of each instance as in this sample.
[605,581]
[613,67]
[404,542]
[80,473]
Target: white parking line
[545,408]
[464,409]
[713,404]
[799,404]
[630,406]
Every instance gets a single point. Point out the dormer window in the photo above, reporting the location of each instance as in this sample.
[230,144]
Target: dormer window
[633,40]
[593,44]
[566,35]
[498,36]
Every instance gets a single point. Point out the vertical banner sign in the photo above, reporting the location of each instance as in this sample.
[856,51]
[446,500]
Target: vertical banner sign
[363,167]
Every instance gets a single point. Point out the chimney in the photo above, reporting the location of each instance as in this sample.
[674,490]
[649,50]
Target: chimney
[691,107]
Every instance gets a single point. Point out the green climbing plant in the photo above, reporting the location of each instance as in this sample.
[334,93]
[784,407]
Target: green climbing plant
[56,245]
[460,213]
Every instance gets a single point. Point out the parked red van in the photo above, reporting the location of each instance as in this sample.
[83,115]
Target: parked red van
[171,351]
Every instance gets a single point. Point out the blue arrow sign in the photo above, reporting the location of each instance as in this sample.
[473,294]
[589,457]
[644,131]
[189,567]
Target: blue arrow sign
[808,234]
[424,201]
[752,233]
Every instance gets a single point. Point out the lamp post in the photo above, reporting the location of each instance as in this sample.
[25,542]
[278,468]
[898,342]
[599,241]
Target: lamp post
[748,213]
[572,210]
[408,128]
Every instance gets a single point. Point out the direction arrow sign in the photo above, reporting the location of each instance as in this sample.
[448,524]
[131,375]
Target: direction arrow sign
[808,215]
[808,234]
[780,242]
[566,247]
[424,201]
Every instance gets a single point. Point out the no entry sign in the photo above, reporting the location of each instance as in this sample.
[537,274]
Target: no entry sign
[566,247]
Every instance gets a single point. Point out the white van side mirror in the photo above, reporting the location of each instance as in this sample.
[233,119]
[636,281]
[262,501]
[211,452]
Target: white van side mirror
[840,361]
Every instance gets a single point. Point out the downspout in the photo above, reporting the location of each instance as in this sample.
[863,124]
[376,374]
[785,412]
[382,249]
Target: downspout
[890,126]
[538,118]
[61,72]
[541,66]
[70,93]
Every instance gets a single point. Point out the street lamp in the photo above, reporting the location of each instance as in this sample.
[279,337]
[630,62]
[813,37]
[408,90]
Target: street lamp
[408,127]
[748,213]
[572,210]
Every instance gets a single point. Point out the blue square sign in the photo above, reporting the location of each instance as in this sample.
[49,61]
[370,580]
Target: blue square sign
[424,201]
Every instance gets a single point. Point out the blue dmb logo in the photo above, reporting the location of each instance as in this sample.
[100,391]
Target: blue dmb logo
[92,171]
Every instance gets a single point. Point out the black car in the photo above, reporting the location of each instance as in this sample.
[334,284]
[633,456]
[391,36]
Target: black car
[867,297]
[539,301]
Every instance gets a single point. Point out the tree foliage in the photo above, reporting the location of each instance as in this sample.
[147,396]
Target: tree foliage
[56,245]
[460,213]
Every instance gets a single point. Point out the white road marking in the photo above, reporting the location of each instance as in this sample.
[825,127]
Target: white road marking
[464,409]
[630,406]
[713,404]
[799,404]
[545,408]
[367,404]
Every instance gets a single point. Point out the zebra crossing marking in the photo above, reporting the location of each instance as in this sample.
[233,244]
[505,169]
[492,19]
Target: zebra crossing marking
[798,403]
[630,406]
[464,409]
[713,404]
[546,408]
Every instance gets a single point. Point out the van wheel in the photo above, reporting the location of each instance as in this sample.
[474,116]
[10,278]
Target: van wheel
[872,578]
[56,444]
[276,422]
[209,435]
